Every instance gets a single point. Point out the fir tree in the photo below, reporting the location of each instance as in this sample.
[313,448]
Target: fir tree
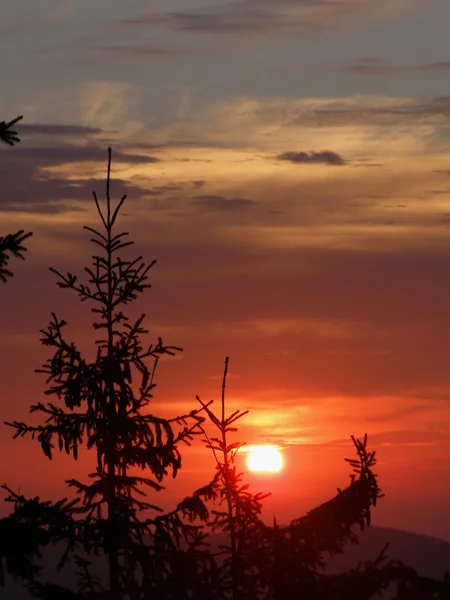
[104,405]
[262,562]
[237,510]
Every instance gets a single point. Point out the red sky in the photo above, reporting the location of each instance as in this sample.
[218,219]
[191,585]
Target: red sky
[289,170]
[324,343]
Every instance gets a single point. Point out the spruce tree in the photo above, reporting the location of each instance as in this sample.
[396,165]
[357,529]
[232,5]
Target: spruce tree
[257,561]
[105,405]
[236,511]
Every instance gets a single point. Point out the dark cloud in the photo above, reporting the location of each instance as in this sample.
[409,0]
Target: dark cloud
[249,16]
[162,189]
[201,160]
[370,165]
[379,66]
[136,50]
[58,130]
[220,203]
[182,143]
[60,154]
[41,208]
[30,193]
[226,19]
[198,184]
[324,157]
[26,187]
[30,188]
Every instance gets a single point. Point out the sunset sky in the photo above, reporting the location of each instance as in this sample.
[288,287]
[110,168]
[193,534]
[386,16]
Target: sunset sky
[287,163]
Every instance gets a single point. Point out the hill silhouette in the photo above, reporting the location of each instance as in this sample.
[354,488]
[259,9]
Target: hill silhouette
[428,555]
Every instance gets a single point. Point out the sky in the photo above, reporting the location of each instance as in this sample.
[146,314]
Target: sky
[287,162]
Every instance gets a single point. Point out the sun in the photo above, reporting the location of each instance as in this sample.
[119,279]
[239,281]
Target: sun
[264,458]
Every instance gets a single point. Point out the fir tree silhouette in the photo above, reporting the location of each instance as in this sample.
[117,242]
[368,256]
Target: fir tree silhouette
[104,405]
[237,510]
[262,562]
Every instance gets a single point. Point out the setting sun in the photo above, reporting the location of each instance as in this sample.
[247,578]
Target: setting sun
[264,458]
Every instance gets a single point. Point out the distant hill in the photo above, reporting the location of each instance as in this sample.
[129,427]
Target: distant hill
[429,556]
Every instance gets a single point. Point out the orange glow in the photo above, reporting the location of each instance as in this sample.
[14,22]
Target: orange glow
[265,458]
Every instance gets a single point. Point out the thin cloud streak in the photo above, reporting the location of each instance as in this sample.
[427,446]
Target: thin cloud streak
[379,66]
[244,17]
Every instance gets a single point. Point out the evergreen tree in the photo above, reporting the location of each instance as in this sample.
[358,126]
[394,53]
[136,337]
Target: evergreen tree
[237,510]
[104,405]
[261,562]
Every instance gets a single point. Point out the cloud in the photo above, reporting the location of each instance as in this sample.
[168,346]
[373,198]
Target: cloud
[136,50]
[222,20]
[49,129]
[325,157]
[42,179]
[247,203]
[360,129]
[31,193]
[349,111]
[63,154]
[375,111]
[197,184]
[49,207]
[230,18]
[379,66]
[243,17]
[222,204]
[163,189]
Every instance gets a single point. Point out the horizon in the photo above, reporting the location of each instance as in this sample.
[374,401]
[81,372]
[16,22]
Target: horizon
[288,168]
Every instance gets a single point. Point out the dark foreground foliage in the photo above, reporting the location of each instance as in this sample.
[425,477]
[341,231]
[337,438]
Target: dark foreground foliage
[7,135]
[104,405]
[12,243]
